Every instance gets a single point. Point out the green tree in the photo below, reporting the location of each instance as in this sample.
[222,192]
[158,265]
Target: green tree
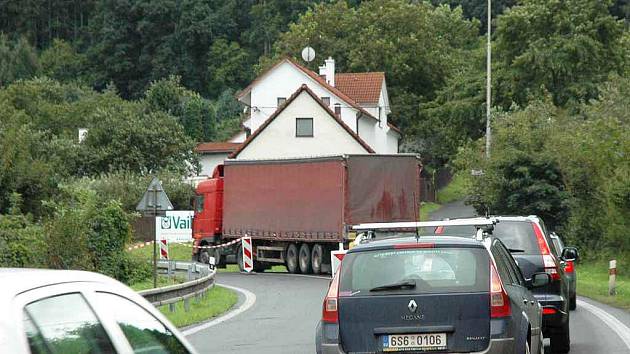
[565,47]
[18,60]
[125,137]
[194,113]
[417,45]
[63,63]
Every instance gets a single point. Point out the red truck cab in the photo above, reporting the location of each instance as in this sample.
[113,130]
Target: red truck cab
[208,219]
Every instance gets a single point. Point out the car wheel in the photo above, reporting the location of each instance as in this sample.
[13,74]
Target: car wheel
[292,259]
[305,259]
[573,303]
[317,257]
[561,340]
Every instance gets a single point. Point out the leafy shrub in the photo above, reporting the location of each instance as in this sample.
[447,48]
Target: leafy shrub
[21,242]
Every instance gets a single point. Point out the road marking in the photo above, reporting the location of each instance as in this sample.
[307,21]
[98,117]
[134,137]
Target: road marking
[250,300]
[611,321]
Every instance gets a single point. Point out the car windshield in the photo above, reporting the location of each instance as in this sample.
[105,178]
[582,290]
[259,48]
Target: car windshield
[430,270]
[516,235]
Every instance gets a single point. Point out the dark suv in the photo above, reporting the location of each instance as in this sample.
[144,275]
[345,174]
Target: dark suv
[530,243]
[431,294]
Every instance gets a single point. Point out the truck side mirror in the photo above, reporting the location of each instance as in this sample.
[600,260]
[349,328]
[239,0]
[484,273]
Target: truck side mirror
[538,280]
[570,254]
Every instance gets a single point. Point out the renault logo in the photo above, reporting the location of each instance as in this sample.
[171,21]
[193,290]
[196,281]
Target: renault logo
[412,306]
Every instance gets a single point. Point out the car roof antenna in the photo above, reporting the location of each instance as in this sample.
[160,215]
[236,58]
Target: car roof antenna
[416,216]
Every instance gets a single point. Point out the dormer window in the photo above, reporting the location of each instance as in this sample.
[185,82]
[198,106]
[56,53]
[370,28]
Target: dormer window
[304,127]
[281,101]
[326,101]
[338,109]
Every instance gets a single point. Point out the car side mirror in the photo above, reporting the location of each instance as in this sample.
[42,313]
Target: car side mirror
[538,280]
[570,254]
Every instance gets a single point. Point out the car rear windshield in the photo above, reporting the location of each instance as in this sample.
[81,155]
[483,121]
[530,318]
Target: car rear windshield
[432,270]
[515,235]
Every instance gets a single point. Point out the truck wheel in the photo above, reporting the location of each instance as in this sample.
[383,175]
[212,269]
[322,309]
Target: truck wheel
[292,259]
[317,258]
[204,256]
[239,258]
[305,258]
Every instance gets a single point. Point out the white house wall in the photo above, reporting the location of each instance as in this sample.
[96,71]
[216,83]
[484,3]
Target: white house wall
[278,139]
[209,161]
[283,81]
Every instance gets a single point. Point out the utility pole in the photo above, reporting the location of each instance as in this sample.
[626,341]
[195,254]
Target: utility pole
[488,81]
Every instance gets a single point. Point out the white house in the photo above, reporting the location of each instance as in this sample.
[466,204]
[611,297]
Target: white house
[294,112]
[359,99]
[213,154]
[302,126]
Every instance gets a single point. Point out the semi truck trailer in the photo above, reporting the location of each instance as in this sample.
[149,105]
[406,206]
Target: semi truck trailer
[298,210]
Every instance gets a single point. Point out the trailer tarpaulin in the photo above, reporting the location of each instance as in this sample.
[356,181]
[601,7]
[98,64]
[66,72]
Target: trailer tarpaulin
[382,188]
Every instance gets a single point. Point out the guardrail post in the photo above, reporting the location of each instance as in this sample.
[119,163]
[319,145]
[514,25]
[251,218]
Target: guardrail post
[612,277]
[190,272]
[171,307]
[187,304]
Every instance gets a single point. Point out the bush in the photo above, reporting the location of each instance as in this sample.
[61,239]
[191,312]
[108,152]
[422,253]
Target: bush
[89,233]
[21,242]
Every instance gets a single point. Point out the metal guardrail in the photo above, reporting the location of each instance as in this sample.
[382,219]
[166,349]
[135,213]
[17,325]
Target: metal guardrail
[201,279]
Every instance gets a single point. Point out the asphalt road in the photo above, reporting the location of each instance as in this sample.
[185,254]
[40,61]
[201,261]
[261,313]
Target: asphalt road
[287,308]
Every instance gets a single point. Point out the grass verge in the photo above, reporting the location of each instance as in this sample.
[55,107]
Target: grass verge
[427,208]
[593,282]
[455,190]
[176,251]
[217,301]
[161,281]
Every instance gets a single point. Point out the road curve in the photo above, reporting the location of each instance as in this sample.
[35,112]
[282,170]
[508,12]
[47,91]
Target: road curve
[282,320]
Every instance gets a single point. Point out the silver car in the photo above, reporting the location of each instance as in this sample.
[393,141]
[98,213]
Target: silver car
[63,311]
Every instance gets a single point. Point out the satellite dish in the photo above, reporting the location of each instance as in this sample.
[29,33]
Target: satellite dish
[308,54]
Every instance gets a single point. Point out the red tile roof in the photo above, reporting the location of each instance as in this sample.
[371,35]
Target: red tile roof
[303,88]
[315,77]
[361,87]
[217,147]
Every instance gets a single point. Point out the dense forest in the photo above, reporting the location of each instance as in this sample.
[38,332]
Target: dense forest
[151,78]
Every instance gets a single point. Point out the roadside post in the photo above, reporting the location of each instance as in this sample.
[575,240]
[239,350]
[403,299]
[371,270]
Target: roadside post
[154,203]
[612,277]
[246,246]
[335,260]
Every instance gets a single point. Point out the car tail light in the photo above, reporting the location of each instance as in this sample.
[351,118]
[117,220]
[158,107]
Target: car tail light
[549,311]
[569,267]
[330,312]
[550,263]
[499,300]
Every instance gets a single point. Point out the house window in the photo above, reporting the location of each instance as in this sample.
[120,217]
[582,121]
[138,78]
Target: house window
[281,101]
[337,109]
[326,100]
[303,127]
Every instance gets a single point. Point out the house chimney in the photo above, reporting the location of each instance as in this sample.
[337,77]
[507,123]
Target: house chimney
[327,71]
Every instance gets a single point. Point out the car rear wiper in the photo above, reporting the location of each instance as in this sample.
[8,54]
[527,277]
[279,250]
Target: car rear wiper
[516,250]
[405,284]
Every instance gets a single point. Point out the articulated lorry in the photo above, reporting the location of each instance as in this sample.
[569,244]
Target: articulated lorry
[297,211]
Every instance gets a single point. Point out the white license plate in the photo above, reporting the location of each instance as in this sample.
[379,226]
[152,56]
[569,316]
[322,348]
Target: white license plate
[404,342]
